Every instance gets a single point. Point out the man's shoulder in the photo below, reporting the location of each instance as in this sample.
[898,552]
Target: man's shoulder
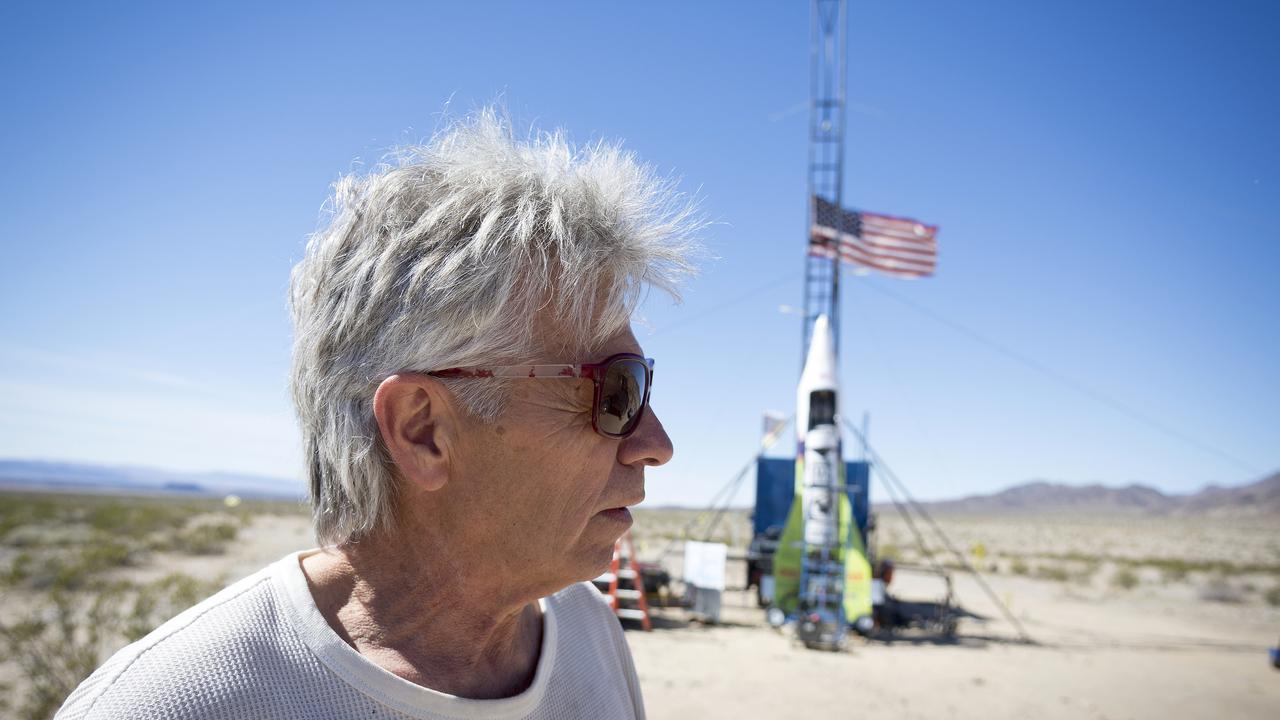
[204,657]
[592,656]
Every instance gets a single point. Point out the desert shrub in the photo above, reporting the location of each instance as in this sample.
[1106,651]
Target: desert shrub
[1125,578]
[1272,596]
[1085,571]
[106,553]
[17,510]
[1177,567]
[1053,572]
[19,569]
[64,544]
[208,538]
[55,647]
[59,642]
[136,519]
[26,536]
[1019,567]
[68,568]
[65,520]
[1075,556]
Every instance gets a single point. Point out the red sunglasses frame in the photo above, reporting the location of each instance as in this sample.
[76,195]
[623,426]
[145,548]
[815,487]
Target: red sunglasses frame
[591,371]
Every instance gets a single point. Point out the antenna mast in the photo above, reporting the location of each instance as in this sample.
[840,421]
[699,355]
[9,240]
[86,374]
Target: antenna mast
[827,43]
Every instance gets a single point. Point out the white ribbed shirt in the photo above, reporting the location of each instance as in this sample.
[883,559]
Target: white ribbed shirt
[261,649]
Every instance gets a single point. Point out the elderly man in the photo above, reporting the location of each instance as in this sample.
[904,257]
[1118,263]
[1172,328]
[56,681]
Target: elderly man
[473,407]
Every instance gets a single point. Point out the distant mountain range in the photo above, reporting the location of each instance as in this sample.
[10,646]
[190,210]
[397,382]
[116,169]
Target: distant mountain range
[83,477]
[1036,497]
[1041,497]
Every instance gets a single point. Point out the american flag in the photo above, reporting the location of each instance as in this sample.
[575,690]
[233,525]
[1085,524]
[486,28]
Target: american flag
[894,246]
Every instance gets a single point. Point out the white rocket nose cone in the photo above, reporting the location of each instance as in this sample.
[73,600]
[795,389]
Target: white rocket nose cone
[819,371]
[820,364]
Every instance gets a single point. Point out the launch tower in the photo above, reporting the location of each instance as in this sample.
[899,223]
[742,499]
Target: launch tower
[827,51]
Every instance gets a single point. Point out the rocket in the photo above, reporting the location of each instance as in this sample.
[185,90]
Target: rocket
[821,574]
[818,438]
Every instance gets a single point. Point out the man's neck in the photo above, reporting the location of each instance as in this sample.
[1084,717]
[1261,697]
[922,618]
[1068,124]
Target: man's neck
[429,622]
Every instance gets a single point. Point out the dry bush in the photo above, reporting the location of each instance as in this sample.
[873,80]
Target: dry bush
[206,538]
[1125,579]
[71,613]
[61,641]
[1056,573]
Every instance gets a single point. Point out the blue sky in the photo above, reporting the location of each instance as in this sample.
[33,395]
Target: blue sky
[1105,176]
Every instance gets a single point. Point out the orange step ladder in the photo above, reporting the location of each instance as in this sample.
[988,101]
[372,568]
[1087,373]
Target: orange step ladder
[628,603]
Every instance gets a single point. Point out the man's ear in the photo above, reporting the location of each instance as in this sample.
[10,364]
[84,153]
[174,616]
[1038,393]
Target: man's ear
[416,419]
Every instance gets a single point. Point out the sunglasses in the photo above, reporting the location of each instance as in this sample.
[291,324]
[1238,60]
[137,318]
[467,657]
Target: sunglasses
[621,381]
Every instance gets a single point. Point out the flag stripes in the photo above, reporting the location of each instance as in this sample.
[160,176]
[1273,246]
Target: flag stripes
[892,245]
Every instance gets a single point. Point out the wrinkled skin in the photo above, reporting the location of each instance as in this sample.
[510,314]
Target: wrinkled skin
[489,519]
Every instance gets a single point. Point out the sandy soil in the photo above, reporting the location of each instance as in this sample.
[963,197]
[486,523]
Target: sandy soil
[1098,650]
[1157,650]
[1144,657]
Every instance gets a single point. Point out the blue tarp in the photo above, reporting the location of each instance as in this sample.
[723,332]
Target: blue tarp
[775,488]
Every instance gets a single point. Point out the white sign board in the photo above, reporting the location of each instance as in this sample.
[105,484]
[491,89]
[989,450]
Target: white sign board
[704,564]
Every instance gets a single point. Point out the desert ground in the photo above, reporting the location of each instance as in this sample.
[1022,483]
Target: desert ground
[1129,617]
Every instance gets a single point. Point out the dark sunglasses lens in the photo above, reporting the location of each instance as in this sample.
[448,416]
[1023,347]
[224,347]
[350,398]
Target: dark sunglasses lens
[622,397]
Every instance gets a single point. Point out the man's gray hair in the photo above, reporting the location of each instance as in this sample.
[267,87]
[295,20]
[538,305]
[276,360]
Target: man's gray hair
[449,255]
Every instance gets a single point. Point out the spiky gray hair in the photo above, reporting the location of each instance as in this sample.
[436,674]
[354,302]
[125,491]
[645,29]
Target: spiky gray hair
[455,253]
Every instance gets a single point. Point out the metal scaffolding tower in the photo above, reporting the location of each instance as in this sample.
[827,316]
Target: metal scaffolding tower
[822,574]
[826,156]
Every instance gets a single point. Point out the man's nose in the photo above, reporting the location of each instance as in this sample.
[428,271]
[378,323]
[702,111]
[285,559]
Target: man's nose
[648,445]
